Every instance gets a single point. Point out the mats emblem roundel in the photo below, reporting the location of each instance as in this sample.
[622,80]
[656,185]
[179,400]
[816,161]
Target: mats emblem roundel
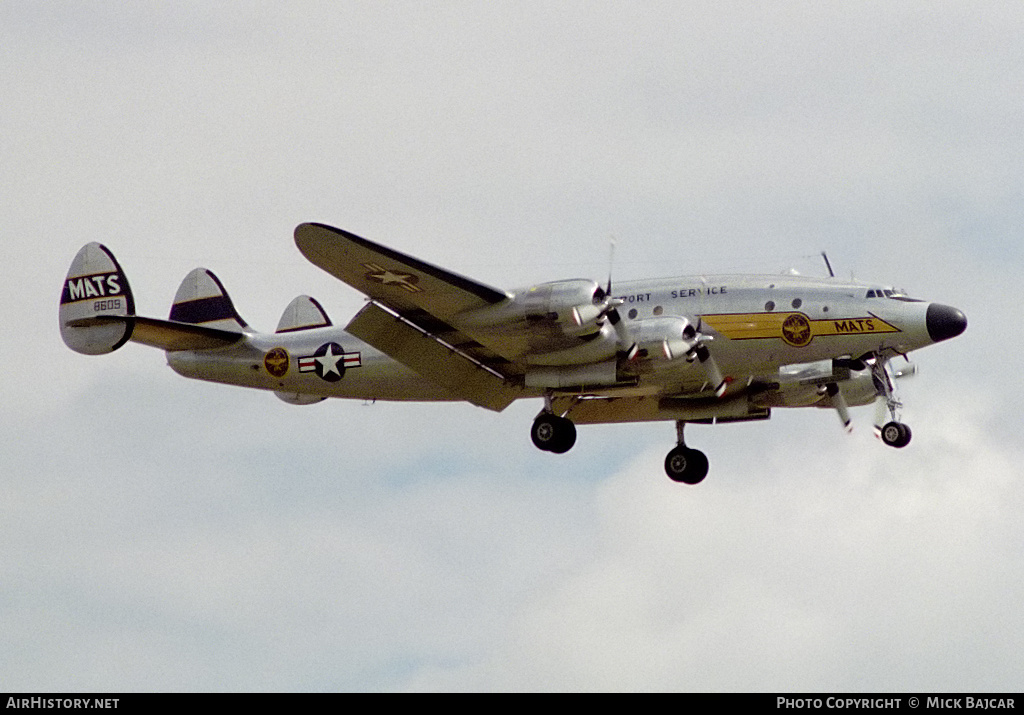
[276,362]
[796,330]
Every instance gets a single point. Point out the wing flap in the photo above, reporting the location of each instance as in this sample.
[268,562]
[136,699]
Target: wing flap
[436,360]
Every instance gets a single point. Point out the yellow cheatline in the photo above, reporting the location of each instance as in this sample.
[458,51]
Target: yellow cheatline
[751,326]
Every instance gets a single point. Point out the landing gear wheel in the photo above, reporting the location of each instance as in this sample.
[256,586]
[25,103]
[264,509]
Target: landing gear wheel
[685,465]
[896,434]
[552,433]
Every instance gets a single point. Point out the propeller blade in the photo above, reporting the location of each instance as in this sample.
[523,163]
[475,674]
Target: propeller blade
[908,370]
[627,346]
[611,262]
[835,396]
[711,368]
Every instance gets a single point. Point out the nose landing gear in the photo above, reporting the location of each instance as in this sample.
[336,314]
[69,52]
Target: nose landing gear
[893,433]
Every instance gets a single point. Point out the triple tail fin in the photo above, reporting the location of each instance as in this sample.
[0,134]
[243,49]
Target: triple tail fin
[303,313]
[96,305]
[202,300]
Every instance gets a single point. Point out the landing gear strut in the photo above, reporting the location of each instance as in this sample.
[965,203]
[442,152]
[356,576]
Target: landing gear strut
[685,465]
[894,433]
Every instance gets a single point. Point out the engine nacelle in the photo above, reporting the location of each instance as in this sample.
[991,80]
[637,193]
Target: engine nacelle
[573,304]
[669,338]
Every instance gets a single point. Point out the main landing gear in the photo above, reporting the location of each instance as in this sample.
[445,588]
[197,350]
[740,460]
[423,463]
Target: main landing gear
[685,465]
[554,433]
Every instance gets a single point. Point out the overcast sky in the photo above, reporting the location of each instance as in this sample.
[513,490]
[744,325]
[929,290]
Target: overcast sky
[163,534]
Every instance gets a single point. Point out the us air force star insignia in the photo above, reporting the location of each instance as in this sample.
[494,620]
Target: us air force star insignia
[796,330]
[329,362]
[405,281]
[276,362]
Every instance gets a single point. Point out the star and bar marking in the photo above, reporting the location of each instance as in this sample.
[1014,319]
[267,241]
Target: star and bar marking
[329,362]
[388,277]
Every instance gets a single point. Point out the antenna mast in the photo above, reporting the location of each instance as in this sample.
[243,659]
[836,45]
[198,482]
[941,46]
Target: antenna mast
[828,265]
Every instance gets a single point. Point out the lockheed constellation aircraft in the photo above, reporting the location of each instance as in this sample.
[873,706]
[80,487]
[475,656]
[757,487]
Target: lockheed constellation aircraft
[704,349]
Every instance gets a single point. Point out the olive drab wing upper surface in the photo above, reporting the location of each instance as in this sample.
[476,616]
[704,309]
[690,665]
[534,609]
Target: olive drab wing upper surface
[401,282]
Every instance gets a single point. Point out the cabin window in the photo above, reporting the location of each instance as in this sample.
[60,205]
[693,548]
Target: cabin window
[632,313]
[797,302]
[770,305]
[658,310]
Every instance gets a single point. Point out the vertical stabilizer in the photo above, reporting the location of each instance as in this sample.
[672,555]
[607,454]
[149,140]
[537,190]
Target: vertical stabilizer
[303,313]
[96,304]
[202,300]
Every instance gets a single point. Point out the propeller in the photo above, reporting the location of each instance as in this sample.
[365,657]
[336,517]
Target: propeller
[694,344]
[608,306]
[626,344]
[835,396]
[701,353]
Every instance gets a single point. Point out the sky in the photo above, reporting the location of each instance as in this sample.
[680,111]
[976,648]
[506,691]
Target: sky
[161,534]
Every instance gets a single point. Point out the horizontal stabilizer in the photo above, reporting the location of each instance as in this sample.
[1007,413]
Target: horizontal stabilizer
[303,313]
[169,335]
[163,334]
[202,300]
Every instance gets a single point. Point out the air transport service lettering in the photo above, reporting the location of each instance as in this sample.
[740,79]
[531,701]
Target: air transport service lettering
[697,292]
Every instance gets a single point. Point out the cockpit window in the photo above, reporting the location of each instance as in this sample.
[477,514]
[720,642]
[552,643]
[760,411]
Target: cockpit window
[894,293]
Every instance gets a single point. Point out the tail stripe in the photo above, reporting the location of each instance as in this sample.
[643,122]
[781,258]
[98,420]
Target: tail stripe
[205,310]
[201,299]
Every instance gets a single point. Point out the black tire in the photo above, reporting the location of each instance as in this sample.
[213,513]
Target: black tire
[552,433]
[896,434]
[566,436]
[687,466]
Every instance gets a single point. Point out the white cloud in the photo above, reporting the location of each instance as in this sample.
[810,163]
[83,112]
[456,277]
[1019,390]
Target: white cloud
[856,569]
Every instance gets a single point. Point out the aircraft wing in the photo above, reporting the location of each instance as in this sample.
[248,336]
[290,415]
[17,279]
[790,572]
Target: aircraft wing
[405,284]
[418,294]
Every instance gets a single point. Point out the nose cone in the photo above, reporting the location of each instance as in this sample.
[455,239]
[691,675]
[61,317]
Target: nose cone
[944,322]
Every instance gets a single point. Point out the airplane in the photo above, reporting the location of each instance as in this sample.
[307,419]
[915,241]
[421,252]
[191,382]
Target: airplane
[691,349]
